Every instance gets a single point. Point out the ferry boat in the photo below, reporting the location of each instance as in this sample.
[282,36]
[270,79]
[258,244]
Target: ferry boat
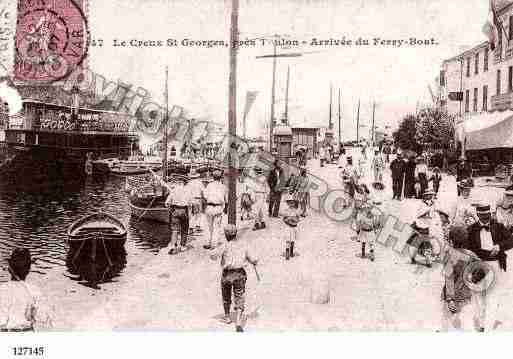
[59,137]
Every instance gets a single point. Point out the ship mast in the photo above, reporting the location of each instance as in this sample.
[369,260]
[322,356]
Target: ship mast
[166,118]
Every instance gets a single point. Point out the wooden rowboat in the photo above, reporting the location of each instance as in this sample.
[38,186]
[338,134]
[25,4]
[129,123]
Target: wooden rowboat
[96,234]
[155,212]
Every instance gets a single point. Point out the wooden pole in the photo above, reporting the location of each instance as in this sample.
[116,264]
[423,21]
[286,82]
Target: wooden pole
[339,122]
[358,125]
[373,114]
[287,97]
[232,112]
[271,122]
[164,158]
[330,124]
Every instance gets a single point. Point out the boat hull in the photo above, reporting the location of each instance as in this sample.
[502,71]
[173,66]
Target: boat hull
[157,214]
[97,236]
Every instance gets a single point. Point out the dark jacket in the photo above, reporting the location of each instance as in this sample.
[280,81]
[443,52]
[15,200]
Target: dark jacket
[397,168]
[500,236]
[272,180]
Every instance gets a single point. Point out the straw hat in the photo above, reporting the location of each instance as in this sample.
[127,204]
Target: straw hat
[292,221]
[230,230]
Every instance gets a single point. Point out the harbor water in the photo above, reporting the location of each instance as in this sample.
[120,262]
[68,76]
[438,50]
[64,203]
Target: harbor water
[36,215]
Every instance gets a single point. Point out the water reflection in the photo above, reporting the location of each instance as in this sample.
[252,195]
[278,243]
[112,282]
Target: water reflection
[149,235]
[93,273]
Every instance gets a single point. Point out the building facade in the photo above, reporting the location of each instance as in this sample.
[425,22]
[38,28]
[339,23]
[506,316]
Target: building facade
[485,76]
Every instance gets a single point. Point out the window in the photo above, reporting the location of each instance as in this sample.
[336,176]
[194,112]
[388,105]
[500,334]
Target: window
[510,79]
[498,82]
[476,67]
[467,101]
[510,29]
[474,107]
[468,67]
[485,98]
[486,59]
[499,47]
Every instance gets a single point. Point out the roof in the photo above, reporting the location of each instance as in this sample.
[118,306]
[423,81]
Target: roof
[498,135]
[282,131]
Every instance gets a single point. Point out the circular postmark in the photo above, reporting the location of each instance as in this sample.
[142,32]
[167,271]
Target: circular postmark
[52,40]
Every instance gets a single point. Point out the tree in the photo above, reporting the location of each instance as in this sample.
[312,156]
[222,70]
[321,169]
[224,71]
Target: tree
[406,135]
[435,129]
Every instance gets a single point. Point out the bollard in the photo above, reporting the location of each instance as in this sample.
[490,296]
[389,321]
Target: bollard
[320,291]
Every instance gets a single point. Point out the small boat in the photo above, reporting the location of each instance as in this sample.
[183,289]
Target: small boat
[97,234]
[154,210]
[129,169]
[105,165]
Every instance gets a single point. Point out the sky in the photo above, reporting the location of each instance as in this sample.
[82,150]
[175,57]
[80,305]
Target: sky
[396,78]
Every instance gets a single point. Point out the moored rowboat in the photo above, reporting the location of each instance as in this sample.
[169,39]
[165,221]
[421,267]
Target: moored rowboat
[98,233]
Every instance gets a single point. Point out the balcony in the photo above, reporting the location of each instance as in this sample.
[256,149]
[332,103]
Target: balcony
[502,102]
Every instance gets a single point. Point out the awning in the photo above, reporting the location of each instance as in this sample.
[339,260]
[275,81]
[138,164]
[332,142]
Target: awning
[498,135]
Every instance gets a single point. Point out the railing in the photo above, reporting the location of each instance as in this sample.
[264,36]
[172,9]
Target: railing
[502,101]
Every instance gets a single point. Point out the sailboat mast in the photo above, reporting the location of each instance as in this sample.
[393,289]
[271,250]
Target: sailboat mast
[358,125]
[164,164]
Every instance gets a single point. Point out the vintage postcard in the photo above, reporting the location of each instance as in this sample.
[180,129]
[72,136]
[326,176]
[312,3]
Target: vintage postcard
[256,166]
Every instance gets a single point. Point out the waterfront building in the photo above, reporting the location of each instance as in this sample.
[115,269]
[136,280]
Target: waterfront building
[483,75]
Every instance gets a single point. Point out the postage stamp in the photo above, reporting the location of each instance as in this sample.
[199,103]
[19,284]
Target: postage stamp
[52,40]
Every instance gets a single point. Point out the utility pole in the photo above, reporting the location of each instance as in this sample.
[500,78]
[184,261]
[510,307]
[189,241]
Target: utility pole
[372,130]
[274,56]
[339,123]
[232,113]
[461,109]
[273,89]
[287,97]
[358,125]
[330,124]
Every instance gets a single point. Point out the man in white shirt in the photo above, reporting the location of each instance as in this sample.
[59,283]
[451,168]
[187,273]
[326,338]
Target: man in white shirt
[235,255]
[178,202]
[505,210]
[195,189]
[215,195]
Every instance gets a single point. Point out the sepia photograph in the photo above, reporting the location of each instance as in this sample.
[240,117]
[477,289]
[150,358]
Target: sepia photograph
[254,166]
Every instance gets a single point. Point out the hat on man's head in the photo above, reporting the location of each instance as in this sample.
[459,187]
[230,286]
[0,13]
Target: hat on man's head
[421,226]
[217,174]
[292,221]
[194,174]
[230,230]
[428,193]
[482,208]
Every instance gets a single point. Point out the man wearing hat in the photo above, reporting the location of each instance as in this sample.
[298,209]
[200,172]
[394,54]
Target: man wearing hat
[178,202]
[235,255]
[505,210]
[195,189]
[465,213]
[216,197]
[436,218]
[490,241]
[397,168]
[276,184]
[21,306]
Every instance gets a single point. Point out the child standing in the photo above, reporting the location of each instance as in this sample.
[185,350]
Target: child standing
[366,225]
[292,221]
[436,178]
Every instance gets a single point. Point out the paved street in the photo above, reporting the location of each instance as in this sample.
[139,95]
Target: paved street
[182,292]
